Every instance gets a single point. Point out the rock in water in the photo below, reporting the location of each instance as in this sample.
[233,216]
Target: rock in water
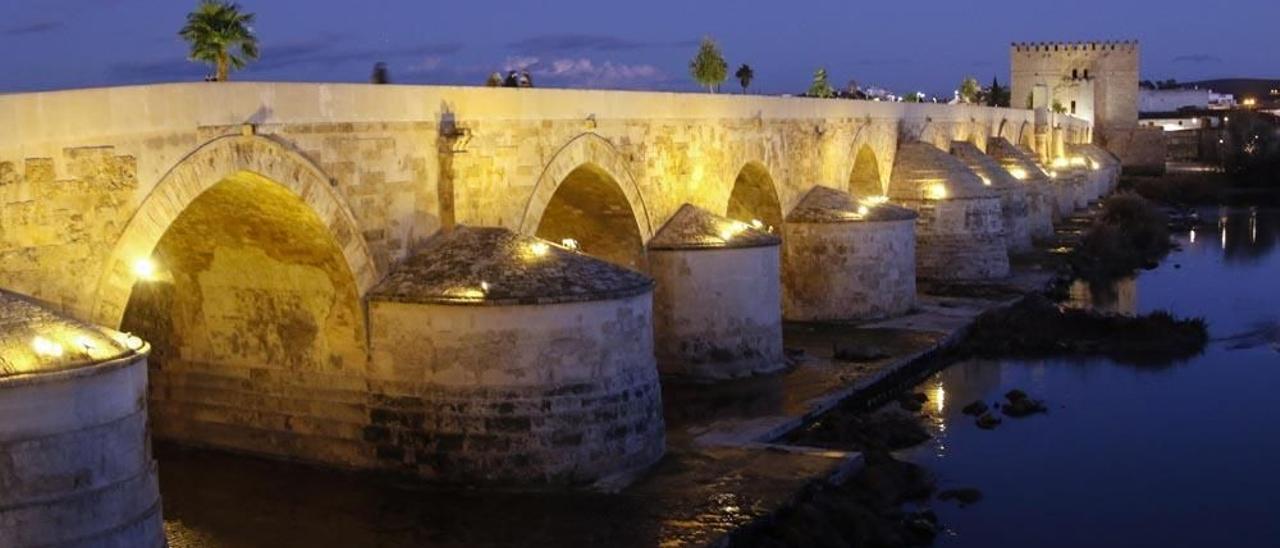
[988,421]
[1021,405]
[975,409]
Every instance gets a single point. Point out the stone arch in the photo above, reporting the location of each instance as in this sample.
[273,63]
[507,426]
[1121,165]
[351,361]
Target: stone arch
[585,149]
[755,196]
[591,208]
[864,178]
[202,169]
[1026,135]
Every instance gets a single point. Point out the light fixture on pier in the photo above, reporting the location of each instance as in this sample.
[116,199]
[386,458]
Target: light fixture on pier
[145,269]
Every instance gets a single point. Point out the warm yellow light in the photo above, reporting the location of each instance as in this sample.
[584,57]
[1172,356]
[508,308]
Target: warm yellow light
[129,341]
[145,269]
[484,286]
[936,191]
[731,229]
[539,249]
[863,210]
[569,243]
[757,224]
[1018,173]
[985,180]
[1060,163]
[940,398]
[1249,101]
[872,201]
[1078,161]
[46,347]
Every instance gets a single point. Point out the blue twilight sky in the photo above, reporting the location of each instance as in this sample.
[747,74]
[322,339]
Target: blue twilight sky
[644,44]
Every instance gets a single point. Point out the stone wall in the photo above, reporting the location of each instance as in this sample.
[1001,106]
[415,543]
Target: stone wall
[76,167]
[1142,151]
[717,312]
[560,393]
[851,270]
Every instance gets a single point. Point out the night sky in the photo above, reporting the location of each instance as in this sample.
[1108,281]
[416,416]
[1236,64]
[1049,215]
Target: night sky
[646,44]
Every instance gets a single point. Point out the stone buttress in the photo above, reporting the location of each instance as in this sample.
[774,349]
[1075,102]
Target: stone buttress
[847,259]
[717,311]
[75,454]
[501,358]
[959,233]
[1014,203]
[1041,210]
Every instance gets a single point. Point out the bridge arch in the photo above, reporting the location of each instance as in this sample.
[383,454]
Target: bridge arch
[755,196]
[591,211]
[596,173]
[245,159]
[864,178]
[1026,137]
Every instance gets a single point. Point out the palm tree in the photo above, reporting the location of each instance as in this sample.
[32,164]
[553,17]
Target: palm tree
[745,75]
[221,35]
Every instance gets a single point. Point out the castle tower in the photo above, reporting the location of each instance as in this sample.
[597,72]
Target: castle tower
[1096,81]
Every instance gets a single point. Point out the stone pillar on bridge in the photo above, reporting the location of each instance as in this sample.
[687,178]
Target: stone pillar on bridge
[959,234]
[1040,192]
[717,304]
[1014,207]
[847,259]
[75,452]
[500,358]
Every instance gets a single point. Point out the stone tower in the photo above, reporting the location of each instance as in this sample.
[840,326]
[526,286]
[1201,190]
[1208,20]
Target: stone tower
[1096,81]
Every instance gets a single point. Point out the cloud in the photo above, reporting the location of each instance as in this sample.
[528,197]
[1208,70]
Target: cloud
[571,42]
[1197,58]
[38,27]
[585,72]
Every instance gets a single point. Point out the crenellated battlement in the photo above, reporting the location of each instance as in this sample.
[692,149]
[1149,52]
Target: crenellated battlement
[1109,45]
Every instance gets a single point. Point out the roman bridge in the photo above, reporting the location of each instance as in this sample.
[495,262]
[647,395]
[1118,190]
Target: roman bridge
[258,216]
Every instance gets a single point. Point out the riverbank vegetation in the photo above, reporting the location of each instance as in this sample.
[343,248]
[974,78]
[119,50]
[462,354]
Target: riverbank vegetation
[1037,328]
[1129,233]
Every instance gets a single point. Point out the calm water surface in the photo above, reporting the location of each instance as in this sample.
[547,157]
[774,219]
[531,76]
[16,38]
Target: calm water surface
[1182,455]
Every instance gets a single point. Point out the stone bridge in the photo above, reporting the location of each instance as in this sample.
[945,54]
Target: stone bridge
[258,216]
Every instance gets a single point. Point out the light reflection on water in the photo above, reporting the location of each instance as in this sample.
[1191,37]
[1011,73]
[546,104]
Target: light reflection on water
[1127,456]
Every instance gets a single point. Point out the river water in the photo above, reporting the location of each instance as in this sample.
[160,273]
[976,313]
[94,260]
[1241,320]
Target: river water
[1186,454]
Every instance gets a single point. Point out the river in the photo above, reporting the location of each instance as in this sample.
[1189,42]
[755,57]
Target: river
[1179,455]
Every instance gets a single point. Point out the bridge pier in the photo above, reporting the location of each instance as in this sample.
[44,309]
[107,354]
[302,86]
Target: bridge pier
[845,259]
[716,303]
[1040,192]
[959,233]
[75,453]
[1014,206]
[499,358]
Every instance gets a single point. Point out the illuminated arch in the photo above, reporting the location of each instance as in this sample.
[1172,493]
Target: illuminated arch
[597,152]
[864,178]
[202,169]
[755,196]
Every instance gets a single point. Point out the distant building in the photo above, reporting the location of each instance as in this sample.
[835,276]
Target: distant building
[1173,100]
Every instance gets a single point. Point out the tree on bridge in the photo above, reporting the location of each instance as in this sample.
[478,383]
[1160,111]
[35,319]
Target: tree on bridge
[969,90]
[820,86]
[221,34]
[708,67]
[998,95]
[745,75]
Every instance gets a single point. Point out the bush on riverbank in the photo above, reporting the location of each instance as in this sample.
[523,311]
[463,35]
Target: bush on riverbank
[1036,327]
[1180,188]
[1129,234]
[864,511]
